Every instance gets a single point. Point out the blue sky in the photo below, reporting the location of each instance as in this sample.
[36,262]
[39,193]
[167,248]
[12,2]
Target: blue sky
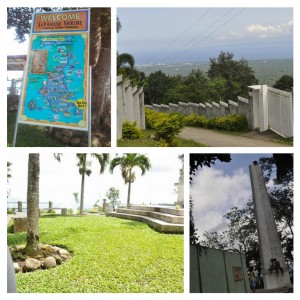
[166,35]
[217,189]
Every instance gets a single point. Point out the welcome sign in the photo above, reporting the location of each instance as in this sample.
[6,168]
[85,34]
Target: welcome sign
[55,89]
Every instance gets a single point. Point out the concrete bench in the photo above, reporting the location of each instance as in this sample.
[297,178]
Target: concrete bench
[63,211]
[20,223]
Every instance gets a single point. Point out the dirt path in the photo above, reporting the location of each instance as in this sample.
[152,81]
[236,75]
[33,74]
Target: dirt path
[215,139]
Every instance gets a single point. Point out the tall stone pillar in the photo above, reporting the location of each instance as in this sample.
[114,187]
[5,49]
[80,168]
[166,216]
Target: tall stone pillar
[268,238]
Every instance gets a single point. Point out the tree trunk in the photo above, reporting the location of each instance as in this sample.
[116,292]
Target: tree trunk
[101,63]
[129,189]
[33,246]
[82,185]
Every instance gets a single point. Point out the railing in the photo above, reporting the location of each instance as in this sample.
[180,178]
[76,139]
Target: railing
[20,207]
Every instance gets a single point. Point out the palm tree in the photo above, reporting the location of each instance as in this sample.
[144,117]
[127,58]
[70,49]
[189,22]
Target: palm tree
[127,162]
[83,164]
[103,160]
[33,247]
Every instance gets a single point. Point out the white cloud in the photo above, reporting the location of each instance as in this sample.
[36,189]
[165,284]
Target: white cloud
[270,30]
[260,31]
[214,193]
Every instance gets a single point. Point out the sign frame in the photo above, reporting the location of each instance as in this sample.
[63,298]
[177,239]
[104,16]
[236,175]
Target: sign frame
[84,126]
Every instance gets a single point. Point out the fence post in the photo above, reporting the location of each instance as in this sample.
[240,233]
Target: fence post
[20,206]
[264,108]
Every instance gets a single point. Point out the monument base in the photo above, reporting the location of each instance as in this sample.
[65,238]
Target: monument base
[272,281]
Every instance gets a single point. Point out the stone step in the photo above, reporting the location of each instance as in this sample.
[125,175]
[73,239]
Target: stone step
[169,218]
[162,209]
[156,224]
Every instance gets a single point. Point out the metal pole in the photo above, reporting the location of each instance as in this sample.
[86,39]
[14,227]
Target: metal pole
[90,108]
[18,113]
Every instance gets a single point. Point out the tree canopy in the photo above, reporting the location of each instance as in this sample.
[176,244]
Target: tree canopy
[127,163]
[225,80]
[285,83]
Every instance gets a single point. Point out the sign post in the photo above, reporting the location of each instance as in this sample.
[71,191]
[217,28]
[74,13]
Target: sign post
[56,81]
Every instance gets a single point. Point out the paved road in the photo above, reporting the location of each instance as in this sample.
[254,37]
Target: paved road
[215,139]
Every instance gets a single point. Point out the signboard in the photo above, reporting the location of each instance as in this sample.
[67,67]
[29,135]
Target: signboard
[237,273]
[55,89]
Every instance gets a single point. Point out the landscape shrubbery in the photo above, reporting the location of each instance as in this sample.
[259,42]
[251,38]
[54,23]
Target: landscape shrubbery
[130,130]
[229,123]
[166,126]
[161,122]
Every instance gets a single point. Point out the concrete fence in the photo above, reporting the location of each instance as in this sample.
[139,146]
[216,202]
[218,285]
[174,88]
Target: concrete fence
[266,108]
[130,105]
[209,110]
[217,271]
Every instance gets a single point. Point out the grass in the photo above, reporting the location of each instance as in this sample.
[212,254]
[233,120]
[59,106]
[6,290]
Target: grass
[109,255]
[285,141]
[145,141]
[28,135]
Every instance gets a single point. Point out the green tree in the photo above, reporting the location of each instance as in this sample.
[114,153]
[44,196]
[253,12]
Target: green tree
[158,84]
[76,197]
[119,25]
[8,165]
[83,164]
[19,18]
[237,73]
[285,83]
[113,195]
[127,163]
[33,248]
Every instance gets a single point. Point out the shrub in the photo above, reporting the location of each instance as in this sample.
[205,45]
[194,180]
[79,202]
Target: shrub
[167,126]
[150,117]
[230,122]
[70,211]
[195,120]
[130,131]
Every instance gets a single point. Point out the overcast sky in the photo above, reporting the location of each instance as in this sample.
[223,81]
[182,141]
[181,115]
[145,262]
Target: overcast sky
[58,181]
[216,189]
[160,35]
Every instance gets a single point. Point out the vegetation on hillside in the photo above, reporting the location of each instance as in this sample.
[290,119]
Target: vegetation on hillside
[267,71]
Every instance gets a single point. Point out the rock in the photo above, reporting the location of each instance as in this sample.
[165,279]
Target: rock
[58,135]
[66,140]
[64,254]
[16,267]
[55,248]
[50,262]
[31,264]
[58,259]
[67,132]
[46,247]
[75,142]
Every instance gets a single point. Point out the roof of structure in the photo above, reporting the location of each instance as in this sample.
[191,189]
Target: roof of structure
[16,62]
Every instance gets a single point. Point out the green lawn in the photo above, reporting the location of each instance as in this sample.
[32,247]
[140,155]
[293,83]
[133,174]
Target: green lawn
[109,255]
[28,135]
[144,141]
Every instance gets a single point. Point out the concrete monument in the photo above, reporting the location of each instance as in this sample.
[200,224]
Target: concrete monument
[274,267]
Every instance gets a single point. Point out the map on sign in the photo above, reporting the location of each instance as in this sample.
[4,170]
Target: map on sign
[56,91]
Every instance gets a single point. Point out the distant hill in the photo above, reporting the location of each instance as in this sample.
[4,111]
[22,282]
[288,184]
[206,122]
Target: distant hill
[267,71]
